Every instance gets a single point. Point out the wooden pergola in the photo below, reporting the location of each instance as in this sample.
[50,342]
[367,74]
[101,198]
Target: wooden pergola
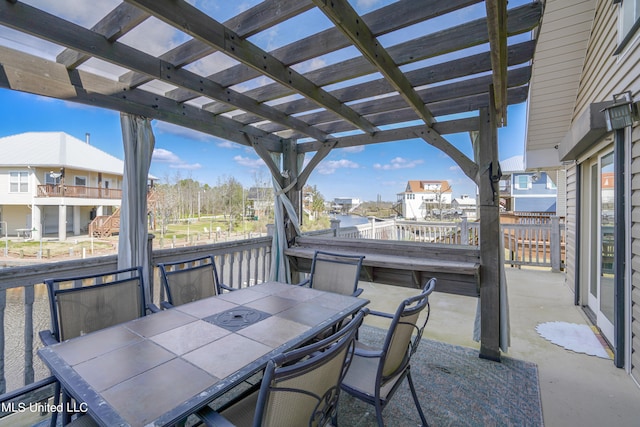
[386,93]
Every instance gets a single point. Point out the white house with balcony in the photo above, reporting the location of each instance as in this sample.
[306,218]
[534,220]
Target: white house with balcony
[53,184]
[422,197]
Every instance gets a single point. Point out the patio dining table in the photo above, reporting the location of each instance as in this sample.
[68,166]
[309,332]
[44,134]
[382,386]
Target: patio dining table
[159,369]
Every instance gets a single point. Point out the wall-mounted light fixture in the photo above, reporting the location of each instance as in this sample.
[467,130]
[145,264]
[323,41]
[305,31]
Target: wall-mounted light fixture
[622,113]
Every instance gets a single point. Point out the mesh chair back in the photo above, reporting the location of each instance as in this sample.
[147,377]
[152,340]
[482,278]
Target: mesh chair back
[190,280]
[99,304]
[336,273]
[405,332]
[301,388]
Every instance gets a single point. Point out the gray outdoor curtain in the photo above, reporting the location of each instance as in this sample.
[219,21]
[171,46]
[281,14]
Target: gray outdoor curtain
[280,270]
[138,141]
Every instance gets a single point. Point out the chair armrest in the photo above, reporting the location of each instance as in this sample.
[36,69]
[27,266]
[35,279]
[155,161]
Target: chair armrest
[153,308]
[47,337]
[212,418]
[381,314]
[226,288]
[357,292]
[166,305]
[362,352]
[304,282]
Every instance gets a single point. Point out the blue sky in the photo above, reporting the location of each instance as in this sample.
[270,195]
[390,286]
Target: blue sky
[364,172]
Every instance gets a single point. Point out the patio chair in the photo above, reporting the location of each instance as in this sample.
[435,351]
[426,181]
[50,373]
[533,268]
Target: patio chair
[376,373]
[299,388]
[334,272]
[109,299]
[190,280]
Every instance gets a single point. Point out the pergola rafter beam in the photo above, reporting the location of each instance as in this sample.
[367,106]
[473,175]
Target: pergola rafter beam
[258,18]
[381,21]
[27,73]
[497,29]
[197,24]
[353,26]
[36,22]
[400,134]
[117,23]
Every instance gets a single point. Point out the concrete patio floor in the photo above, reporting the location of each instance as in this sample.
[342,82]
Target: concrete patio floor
[576,389]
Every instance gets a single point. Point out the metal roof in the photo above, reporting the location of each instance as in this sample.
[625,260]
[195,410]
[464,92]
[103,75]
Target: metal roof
[56,149]
[410,69]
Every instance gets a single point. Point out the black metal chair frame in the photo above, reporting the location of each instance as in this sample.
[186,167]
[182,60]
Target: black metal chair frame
[167,269]
[53,336]
[49,337]
[407,307]
[338,258]
[294,363]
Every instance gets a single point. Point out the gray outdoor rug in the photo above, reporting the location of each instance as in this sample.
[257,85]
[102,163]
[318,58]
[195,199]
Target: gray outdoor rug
[455,388]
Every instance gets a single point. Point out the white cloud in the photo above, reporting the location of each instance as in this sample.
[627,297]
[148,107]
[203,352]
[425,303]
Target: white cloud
[165,156]
[356,149]
[329,167]
[398,163]
[226,144]
[248,162]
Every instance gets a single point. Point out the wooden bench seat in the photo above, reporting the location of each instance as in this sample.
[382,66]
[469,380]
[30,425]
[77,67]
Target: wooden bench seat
[408,264]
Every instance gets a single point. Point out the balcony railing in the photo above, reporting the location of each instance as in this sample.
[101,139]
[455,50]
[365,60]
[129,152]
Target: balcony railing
[78,191]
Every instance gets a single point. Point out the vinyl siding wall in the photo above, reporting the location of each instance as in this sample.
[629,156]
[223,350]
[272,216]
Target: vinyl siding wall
[605,74]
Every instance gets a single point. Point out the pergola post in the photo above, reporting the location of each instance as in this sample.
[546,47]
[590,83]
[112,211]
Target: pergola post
[488,179]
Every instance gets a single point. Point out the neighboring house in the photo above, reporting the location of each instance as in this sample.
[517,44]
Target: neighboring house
[52,184]
[587,52]
[522,191]
[464,206]
[345,204]
[421,199]
[260,201]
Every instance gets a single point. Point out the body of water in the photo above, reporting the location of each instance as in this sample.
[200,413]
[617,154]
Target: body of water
[351,220]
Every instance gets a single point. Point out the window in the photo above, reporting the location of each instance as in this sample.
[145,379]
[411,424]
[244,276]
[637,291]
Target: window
[19,182]
[81,181]
[628,22]
[550,184]
[523,182]
[52,178]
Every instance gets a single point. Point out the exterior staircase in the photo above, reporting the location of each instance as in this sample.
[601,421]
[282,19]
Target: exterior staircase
[104,226]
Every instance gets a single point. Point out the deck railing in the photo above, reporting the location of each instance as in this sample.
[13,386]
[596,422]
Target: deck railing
[536,243]
[24,306]
[78,191]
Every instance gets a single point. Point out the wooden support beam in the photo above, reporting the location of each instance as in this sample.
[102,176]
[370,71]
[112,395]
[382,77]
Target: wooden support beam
[49,27]
[489,195]
[497,27]
[27,73]
[322,152]
[353,26]
[248,23]
[189,19]
[434,138]
[264,154]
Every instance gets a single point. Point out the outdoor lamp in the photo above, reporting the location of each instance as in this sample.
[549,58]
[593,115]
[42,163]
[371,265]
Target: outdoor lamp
[622,113]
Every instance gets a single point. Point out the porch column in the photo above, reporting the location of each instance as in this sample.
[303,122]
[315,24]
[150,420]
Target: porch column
[99,210]
[36,222]
[62,223]
[76,220]
[489,197]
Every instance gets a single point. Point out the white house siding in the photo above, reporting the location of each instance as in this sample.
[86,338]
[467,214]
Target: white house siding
[605,74]
[571,226]
[635,254]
